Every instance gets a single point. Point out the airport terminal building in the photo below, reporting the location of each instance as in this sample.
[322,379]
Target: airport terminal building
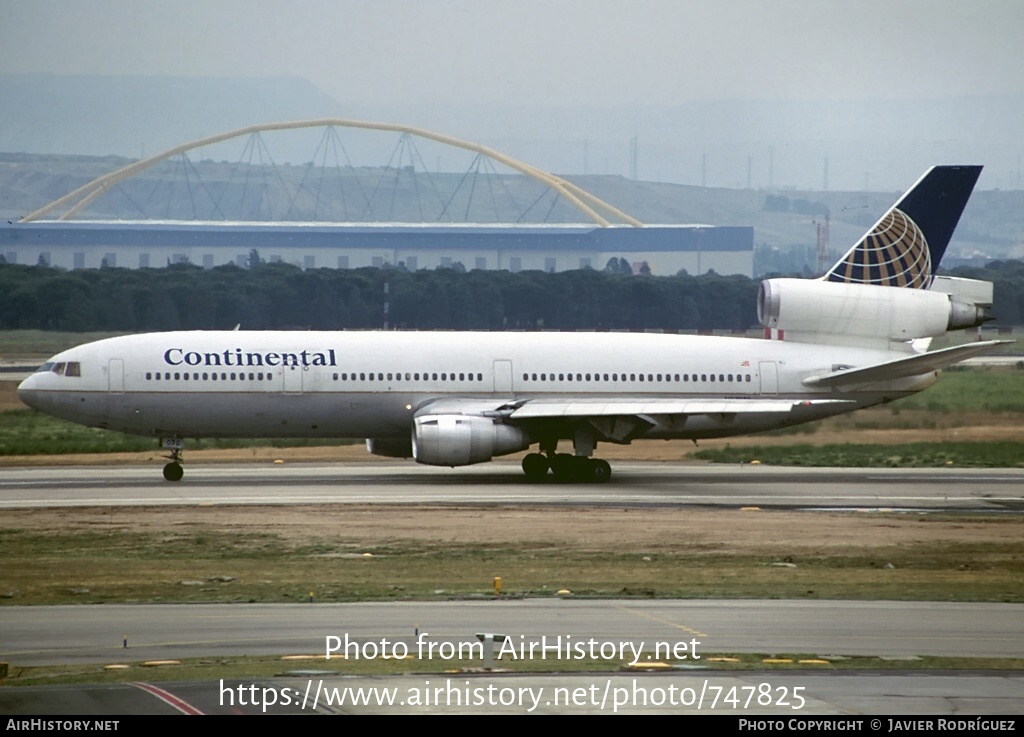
[666,249]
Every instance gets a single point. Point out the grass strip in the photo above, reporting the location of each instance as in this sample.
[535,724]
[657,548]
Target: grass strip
[27,432]
[219,566]
[986,454]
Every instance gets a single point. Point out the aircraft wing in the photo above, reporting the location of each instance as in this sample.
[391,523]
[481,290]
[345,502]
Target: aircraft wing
[622,420]
[914,365]
[575,408]
[580,408]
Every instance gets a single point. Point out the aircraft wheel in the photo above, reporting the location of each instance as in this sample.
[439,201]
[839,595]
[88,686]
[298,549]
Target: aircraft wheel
[563,467]
[600,470]
[173,472]
[582,469]
[535,466]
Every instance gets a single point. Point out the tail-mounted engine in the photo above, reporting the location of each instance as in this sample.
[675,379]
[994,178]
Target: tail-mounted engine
[806,309]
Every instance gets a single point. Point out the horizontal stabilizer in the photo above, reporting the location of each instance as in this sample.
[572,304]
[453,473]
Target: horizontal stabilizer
[915,365]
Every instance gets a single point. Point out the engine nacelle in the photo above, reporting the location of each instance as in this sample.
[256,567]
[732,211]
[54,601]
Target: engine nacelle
[970,300]
[459,440]
[807,308]
[390,447]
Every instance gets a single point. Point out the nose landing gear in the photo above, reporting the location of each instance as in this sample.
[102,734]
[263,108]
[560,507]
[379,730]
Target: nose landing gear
[173,470]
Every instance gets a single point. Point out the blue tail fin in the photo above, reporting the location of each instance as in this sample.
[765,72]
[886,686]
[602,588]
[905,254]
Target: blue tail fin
[904,248]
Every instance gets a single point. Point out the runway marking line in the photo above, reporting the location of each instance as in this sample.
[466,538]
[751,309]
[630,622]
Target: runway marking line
[661,620]
[168,698]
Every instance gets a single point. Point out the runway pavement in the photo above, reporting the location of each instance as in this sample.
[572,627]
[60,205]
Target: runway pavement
[655,484]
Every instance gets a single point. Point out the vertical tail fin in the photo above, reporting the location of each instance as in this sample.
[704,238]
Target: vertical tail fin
[904,248]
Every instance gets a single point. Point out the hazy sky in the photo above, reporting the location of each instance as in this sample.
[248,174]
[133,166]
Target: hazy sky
[561,52]
[562,84]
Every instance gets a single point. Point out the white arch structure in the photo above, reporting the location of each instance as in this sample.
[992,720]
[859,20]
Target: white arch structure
[591,206]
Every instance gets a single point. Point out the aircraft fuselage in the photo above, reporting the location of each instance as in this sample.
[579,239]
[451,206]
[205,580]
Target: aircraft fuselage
[370,384]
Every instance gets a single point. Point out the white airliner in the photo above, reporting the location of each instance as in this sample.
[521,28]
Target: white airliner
[852,339]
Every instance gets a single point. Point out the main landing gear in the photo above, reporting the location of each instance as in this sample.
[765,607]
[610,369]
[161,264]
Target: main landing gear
[578,467]
[566,468]
[173,470]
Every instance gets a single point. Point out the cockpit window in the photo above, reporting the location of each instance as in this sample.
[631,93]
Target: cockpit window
[63,368]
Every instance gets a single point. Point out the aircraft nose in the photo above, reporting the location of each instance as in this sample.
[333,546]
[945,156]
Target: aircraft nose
[28,393]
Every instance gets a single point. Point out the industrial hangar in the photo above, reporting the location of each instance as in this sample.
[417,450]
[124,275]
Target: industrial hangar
[666,249]
[77,240]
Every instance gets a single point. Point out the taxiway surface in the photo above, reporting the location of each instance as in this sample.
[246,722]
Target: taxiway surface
[101,633]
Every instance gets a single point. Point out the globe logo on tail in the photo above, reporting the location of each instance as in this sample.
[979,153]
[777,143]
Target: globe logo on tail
[894,254]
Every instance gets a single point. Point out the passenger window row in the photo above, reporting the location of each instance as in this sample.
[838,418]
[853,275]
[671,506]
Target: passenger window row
[444,376]
[676,378]
[408,377]
[234,376]
[260,376]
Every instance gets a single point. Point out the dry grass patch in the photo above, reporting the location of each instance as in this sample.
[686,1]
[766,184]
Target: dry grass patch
[378,553]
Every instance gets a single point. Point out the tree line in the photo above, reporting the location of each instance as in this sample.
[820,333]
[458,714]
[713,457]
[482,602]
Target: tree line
[281,296]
